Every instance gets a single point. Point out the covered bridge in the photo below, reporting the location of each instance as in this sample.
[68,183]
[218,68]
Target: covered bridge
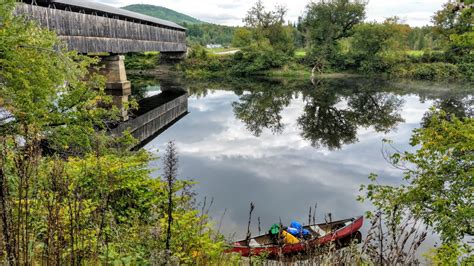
[90,27]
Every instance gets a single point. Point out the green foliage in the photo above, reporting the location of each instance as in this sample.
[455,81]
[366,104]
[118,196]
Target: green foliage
[327,22]
[370,43]
[453,23]
[375,47]
[424,38]
[139,61]
[265,44]
[70,193]
[43,86]
[427,71]
[439,176]
[197,31]
[453,254]
[257,58]
[207,33]
[197,52]
[194,239]
[242,37]
[268,28]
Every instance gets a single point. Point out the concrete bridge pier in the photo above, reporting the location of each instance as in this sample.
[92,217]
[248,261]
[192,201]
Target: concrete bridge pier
[117,84]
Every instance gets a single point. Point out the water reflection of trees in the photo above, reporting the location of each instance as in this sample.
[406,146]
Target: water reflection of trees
[261,108]
[324,124]
[331,120]
[333,110]
[456,105]
[331,114]
[140,85]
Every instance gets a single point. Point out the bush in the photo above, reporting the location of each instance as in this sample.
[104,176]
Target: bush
[140,61]
[256,58]
[430,56]
[467,70]
[197,51]
[426,71]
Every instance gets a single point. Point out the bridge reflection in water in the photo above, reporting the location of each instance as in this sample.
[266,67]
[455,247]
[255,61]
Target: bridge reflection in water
[155,114]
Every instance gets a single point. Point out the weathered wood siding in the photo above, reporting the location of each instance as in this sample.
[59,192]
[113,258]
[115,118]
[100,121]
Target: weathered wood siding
[92,34]
[146,125]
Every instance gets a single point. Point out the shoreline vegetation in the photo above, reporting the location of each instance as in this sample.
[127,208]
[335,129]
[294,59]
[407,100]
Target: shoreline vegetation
[317,44]
[72,194]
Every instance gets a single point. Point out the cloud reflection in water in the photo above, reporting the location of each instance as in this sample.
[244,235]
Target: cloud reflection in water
[287,148]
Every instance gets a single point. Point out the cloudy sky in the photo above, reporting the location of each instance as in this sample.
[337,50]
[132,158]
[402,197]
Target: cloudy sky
[230,12]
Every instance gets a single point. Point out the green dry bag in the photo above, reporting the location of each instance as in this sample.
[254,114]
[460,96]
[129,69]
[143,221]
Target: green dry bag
[275,229]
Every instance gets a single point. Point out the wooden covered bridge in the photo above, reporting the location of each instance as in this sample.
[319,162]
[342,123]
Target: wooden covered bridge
[89,27]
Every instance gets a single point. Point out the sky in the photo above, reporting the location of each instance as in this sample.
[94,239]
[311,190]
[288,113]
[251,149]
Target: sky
[231,12]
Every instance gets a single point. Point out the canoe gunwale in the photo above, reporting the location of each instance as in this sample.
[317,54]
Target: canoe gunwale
[275,249]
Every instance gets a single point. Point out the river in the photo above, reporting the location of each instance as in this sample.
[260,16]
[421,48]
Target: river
[286,145]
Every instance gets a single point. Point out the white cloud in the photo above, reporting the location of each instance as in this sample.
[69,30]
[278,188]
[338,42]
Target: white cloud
[231,12]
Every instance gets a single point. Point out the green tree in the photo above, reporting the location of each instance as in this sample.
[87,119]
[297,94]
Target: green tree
[439,188]
[242,37]
[269,25]
[377,46]
[70,193]
[327,22]
[454,23]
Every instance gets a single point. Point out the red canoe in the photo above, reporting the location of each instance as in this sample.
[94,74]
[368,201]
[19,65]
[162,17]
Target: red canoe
[342,231]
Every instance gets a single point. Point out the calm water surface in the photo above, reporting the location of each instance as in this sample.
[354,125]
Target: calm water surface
[287,145]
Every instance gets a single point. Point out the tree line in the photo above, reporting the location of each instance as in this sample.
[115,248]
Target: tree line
[334,36]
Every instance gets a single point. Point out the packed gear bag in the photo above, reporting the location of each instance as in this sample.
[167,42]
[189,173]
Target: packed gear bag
[274,230]
[297,230]
[289,238]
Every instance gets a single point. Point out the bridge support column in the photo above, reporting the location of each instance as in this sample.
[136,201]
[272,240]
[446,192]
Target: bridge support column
[117,84]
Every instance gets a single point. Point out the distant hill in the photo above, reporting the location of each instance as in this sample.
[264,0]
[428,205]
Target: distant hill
[163,13]
[198,31]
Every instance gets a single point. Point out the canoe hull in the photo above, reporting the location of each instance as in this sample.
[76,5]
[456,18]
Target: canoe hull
[345,233]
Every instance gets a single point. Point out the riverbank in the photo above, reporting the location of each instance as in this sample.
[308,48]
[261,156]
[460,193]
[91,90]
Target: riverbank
[205,66]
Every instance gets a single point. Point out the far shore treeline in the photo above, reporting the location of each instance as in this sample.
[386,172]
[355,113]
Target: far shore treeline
[335,36]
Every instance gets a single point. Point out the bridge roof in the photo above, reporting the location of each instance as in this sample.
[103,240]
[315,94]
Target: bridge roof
[110,11]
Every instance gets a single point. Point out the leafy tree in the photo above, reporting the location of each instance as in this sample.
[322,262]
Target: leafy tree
[70,193]
[326,23]
[439,176]
[242,37]
[259,17]
[269,26]
[43,87]
[207,33]
[454,24]
[376,46]
[257,58]
[323,124]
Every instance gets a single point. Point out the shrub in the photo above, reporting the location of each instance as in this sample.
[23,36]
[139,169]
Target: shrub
[197,51]
[467,70]
[426,71]
[257,58]
[139,61]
